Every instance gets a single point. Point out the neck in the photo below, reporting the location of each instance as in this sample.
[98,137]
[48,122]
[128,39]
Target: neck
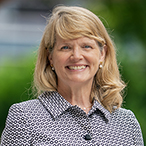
[77,95]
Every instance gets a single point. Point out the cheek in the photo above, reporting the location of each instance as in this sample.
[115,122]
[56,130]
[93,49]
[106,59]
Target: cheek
[96,64]
[94,58]
[59,60]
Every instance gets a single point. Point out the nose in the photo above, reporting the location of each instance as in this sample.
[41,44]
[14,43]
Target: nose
[76,54]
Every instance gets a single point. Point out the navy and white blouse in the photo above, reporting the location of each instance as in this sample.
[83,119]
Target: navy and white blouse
[51,120]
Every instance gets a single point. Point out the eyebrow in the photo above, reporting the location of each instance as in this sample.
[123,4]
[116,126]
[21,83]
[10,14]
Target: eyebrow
[85,42]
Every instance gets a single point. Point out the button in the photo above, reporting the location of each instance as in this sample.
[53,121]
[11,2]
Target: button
[87,137]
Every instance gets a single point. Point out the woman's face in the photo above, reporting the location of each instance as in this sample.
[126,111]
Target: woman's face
[76,61]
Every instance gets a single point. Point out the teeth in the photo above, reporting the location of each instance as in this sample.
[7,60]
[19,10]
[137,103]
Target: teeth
[77,67]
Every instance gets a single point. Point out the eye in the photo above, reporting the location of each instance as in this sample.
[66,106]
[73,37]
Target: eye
[65,47]
[87,46]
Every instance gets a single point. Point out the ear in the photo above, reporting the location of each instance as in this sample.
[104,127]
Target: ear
[50,58]
[103,53]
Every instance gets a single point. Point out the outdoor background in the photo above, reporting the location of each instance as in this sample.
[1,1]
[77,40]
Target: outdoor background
[22,24]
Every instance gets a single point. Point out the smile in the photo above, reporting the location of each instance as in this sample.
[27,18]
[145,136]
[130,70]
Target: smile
[77,67]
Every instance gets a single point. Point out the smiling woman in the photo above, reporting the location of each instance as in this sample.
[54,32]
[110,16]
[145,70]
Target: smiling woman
[78,63]
[79,87]
[65,28]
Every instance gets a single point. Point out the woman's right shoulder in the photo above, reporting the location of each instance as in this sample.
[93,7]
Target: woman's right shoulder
[25,105]
[19,121]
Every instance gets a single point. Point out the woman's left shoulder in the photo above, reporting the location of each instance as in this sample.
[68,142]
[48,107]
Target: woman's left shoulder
[124,115]
[122,112]
[126,119]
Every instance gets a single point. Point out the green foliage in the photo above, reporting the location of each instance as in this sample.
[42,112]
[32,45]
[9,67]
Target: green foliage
[124,16]
[16,78]
[134,74]
[126,20]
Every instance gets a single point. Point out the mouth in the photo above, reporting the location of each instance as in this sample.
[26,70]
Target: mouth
[77,67]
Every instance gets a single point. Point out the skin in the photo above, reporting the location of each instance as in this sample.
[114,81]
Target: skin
[76,62]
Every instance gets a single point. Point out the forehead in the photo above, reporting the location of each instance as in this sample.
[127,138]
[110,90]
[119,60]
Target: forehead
[79,40]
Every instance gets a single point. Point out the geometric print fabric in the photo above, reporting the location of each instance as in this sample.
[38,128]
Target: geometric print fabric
[51,120]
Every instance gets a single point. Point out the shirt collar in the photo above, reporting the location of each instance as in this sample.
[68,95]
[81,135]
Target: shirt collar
[98,107]
[56,104]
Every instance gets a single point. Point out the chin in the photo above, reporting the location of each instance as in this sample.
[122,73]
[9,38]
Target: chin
[80,80]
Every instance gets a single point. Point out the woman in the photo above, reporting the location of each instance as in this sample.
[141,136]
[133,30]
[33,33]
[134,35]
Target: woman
[79,87]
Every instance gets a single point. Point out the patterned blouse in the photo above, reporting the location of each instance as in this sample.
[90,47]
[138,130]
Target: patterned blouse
[51,120]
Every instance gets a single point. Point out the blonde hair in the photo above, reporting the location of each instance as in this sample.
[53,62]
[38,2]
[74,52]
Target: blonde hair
[70,23]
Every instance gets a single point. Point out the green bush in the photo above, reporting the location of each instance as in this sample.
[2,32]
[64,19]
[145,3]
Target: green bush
[126,20]
[15,85]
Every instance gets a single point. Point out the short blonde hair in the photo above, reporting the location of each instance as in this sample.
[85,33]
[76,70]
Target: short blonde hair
[70,23]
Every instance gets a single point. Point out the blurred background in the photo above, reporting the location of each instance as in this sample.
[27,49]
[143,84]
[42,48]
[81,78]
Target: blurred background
[22,23]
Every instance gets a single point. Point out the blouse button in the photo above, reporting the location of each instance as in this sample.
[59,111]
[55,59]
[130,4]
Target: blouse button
[87,137]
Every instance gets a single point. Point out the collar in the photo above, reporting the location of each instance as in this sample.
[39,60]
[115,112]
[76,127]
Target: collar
[99,108]
[56,105]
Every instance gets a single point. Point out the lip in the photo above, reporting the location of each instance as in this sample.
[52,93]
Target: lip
[77,67]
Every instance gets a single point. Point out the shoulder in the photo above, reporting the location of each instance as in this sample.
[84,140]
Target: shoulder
[18,122]
[125,121]
[26,104]
[25,107]
[124,115]
[126,118]
[121,112]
